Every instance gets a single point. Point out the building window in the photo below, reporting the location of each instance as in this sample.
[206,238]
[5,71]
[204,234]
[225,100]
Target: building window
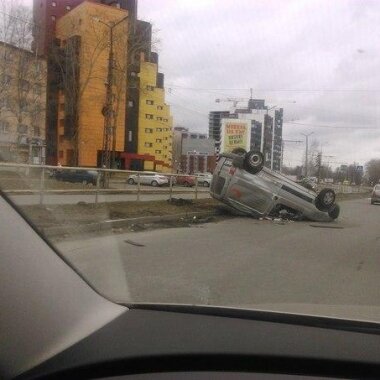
[37,89]
[131,103]
[22,128]
[61,139]
[53,18]
[68,8]
[150,88]
[4,127]
[157,152]
[160,107]
[159,118]
[4,103]
[7,56]
[158,129]
[165,120]
[148,145]
[150,102]
[23,105]
[53,3]
[62,107]
[6,79]
[148,116]
[158,141]
[61,122]
[25,85]
[36,131]
[129,136]
[60,154]
[148,130]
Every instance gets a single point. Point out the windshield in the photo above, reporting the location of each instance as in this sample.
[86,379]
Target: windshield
[116,118]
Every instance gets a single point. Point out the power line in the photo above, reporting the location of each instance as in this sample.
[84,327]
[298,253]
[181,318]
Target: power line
[328,126]
[273,90]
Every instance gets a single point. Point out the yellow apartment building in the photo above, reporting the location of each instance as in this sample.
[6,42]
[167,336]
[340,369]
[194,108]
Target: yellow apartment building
[83,43]
[155,122]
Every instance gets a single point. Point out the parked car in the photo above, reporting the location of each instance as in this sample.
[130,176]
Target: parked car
[375,197]
[148,178]
[81,176]
[204,179]
[186,180]
[242,181]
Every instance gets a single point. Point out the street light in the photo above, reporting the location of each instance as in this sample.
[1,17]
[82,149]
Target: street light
[109,122]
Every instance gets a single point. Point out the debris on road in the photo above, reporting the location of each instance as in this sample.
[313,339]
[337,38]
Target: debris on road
[131,242]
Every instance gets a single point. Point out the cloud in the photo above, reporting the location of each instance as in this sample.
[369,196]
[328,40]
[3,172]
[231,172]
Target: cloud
[322,54]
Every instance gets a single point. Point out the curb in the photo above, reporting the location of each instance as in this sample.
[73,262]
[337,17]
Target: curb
[119,223]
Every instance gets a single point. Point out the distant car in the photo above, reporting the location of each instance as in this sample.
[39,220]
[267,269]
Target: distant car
[80,176]
[186,180]
[242,182]
[148,178]
[204,179]
[375,197]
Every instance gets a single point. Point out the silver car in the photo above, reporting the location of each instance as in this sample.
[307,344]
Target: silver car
[242,181]
[204,179]
[148,178]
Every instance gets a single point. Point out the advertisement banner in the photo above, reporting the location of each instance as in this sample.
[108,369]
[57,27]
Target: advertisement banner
[236,133]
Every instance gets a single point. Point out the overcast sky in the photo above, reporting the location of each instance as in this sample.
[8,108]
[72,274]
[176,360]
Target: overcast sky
[324,55]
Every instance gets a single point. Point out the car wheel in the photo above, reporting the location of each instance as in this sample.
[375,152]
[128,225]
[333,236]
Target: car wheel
[372,202]
[186,184]
[325,199]
[334,212]
[206,184]
[131,181]
[154,183]
[253,161]
[239,151]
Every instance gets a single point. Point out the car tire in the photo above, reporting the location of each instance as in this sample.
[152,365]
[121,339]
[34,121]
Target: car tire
[253,161]
[131,181]
[239,151]
[334,212]
[206,184]
[154,183]
[372,202]
[325,199]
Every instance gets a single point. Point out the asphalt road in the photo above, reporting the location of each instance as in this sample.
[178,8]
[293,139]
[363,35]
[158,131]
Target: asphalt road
[241,262]
[49,199]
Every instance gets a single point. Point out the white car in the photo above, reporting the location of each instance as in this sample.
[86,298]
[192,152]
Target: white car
[148,178]
[204,179]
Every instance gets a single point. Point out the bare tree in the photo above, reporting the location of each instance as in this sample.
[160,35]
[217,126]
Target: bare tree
[23,74]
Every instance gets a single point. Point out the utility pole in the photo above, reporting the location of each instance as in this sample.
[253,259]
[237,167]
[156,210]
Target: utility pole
[307,151]
[109,133]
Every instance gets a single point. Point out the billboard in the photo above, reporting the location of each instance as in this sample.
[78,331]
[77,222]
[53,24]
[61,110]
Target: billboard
[235,133]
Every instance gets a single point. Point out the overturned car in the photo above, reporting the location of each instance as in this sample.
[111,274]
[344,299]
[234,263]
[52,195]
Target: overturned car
[241,181]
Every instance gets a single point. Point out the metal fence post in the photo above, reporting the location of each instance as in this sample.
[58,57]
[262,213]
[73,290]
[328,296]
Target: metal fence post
[196,188]
[138,186]
[97,187]
[42,186]
[171,188]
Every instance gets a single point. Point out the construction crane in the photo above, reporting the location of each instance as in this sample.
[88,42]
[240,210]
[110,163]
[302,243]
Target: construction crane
[234,101]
